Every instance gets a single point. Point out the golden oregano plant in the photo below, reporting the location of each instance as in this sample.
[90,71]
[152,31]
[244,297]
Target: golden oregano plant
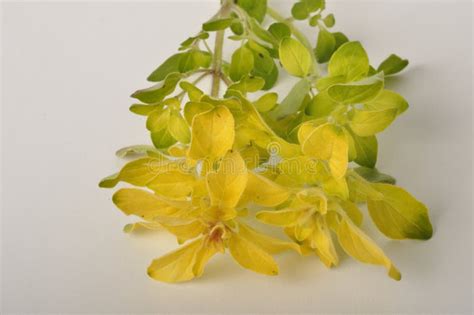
[305,162]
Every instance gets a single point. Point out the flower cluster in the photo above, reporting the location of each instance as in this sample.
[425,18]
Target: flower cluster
[217,159]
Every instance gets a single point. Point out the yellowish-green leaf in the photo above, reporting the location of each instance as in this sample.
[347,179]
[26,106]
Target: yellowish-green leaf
[193,108]
[349,61]
[357,92]
[392,65]
[266,102]
[328,142]
[169,66]
[217,25]
[178,128]
[367,123]
[295,58]
[386,100]
[242,63]
[399,215]
[158,92]
[212,133]
[251,256]
[321,105]
[194,93]
[293,101]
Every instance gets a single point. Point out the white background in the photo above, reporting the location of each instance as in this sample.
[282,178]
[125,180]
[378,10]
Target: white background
[68,69]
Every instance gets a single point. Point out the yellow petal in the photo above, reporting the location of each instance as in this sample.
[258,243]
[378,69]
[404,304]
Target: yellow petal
[361,247]
[322,241]
[269,244]
[227,184]
[185,230]
[142,203]
[285,217]
[315,197]
[173,184]
[264,192]
[205,253]
[250,256]
[176,266]
[212,133]
[137,226]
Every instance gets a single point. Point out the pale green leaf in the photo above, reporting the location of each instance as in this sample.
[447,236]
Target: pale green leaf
[294,57]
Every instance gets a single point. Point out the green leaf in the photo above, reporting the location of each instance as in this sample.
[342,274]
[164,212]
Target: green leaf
[192,109]
[241,64]
[392,65]
[237,28]
[366,150]
[158,120]
[299,11]
[158,92]
[340,39]
[248,85]
[325,47]
[266,102]
[357,92]
[262,33]
[144,109]
[162,139]
[350,61]
[386,100]
[193,40]
[293,100]
[255,8]
[329,20]
[178,128]
[136,150]
[294,57]
[279,31]
[193,60]
[321,105]
[169,66]
[399,215]
[366,123]
[264,66]
[217,25]
[374,176]
[110,181]
[194,93]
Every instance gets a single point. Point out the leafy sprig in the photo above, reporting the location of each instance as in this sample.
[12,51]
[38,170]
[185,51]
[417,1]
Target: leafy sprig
[215,156]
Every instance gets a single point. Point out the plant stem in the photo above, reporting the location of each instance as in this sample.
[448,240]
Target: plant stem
[300,36]
[218,51]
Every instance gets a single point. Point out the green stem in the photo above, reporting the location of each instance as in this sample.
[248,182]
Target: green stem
[218,52]
[300,36]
